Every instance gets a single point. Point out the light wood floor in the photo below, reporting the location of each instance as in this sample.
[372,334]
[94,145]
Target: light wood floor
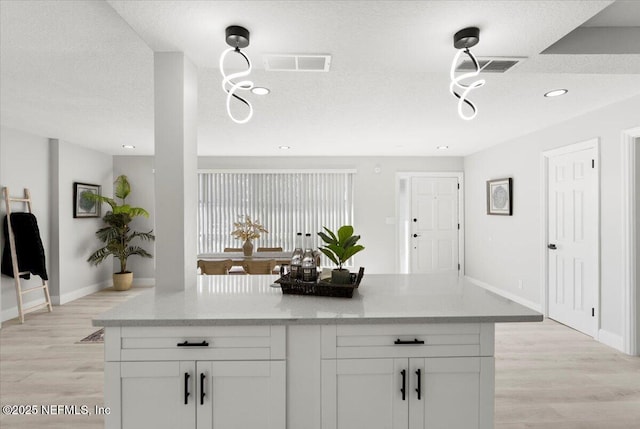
[547,375]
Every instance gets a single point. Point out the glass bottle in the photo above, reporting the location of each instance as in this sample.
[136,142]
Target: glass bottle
[309,270]
[296,259]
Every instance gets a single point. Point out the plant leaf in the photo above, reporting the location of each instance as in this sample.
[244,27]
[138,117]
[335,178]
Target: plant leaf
[143,235]
[351,251]
[326,238]
[123,188]
[330,255]
[331,234]
[351,241]
[344,233]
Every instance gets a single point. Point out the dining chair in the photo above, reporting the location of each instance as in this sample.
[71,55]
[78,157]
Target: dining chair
[233,249]
[269,249]
[214,267]
[259,267]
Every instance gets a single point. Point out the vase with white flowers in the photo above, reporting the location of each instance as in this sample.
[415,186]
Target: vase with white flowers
[246,230]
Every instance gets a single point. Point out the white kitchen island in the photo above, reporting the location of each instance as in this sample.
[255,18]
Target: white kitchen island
[407,351]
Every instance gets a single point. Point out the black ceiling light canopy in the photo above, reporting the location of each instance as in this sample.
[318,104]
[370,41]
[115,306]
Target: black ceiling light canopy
[466,38]
[237,36]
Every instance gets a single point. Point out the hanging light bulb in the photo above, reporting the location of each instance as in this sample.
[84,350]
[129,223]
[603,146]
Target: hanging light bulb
[237,37]
[463,40]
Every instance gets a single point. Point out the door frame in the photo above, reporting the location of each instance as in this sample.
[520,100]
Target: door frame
[544,215]
[402,175]
[631,292]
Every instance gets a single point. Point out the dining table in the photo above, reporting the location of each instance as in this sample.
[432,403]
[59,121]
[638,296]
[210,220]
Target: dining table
[238,258]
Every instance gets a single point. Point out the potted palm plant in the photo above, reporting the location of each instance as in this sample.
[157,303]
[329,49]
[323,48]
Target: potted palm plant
[117,236]
[339,248]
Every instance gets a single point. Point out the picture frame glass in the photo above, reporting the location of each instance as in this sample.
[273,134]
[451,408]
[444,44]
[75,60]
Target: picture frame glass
[83,206]
[499,197]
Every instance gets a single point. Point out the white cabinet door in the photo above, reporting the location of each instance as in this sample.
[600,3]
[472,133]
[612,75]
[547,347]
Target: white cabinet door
[159,395]
[448,395]
[241,395]
[364,394]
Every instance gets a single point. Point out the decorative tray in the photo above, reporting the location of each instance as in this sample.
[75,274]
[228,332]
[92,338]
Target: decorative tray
[320,287]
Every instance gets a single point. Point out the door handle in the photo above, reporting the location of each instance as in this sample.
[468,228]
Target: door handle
[419,388]
[202,394]
[186,388]
[404,383]
[552,246]
[188,344]
[414,341]
[415,235]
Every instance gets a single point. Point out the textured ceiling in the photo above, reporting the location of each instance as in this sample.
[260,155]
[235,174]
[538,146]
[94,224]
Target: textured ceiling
[82,71]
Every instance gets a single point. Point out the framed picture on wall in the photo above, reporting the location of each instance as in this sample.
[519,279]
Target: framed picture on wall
[83,206]
[499,197]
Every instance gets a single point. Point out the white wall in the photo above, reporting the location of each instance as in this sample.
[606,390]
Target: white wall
[502,250]
[73,239]
[374,194]
[139,171]
[24,163]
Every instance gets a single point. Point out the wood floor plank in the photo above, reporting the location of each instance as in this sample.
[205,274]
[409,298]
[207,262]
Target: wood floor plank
[547,375]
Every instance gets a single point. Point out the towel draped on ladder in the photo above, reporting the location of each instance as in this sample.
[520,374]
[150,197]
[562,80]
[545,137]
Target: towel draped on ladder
[29,247]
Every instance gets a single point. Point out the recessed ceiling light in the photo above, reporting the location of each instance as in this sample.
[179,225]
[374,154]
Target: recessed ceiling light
[442,147]
[284,147]
[259,90]
[556,93]
[128,146]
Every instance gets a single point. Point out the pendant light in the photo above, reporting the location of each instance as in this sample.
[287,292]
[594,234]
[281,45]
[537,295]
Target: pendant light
[237,37]
[463,40]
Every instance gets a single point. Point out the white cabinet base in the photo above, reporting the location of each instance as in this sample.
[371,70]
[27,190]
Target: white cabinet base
[314,377]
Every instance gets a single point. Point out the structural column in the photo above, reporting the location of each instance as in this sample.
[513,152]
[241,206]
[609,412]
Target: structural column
[175,117]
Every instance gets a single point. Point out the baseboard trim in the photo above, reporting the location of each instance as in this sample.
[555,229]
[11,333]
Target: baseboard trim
[144,281]
[530,304]
[79,293]
[610,339]
[12,312]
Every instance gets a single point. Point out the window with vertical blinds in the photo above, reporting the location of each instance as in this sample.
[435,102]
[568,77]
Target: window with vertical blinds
[284,202]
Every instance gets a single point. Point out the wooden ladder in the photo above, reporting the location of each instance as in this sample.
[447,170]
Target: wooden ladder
[14,259]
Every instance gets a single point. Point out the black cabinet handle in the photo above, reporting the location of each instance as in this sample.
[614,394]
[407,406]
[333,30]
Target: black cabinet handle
[414,341]
[415,235]
[186,388]
[552,246]
[419,388]
[404,383]
[202,394]
[188,344]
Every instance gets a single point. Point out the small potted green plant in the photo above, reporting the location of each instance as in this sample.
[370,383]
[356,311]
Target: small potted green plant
[117,236]
[339,248]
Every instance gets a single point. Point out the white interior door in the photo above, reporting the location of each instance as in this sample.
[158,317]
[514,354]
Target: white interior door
[573,239]
[434,224]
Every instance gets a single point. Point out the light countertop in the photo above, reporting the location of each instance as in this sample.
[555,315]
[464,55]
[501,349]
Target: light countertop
[381,298]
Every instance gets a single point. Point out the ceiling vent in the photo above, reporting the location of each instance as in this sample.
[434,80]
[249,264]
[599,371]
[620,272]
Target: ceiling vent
[490,64]
[297,63]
